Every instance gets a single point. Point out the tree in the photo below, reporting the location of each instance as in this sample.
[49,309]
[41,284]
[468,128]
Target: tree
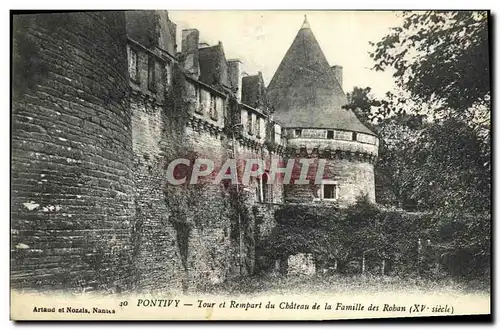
[440,57]
[441,66]
[435,152]
[398,128]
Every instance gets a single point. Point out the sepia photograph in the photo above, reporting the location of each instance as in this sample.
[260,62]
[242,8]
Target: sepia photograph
[250,165]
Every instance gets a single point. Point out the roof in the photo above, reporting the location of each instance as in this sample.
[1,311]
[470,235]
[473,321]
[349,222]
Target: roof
[213,66]
[152,28]
[304,91]
[253,92]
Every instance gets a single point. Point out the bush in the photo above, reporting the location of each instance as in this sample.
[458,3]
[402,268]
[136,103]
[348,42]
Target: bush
[393,242]
[463,245]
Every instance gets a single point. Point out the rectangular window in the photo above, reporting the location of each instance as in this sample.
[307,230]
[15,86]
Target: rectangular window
[201,103]
[168,76]
[152,74]
[257,128]
[203,100]
[277,134]
[266,189]
[243,120]
[133,67]
[329,134]
[258,195]
[197,97]
[329,191]
[298,133]
[342,135]
[213,107]
[250,123]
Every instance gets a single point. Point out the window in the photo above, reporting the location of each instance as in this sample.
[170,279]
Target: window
[329,134]
[266,189]
[329,191]
[342,135]
[196,92]
[258,195]
[168,76]
[250,123]
[132,66]
[277,134]
[257,127]
[151,74]
[202,101]
[197,96]
[213,107]
[298,133]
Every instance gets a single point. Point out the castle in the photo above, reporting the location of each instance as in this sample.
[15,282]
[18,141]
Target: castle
[103,102]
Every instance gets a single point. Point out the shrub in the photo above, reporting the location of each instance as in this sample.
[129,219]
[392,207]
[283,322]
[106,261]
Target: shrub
[392,241]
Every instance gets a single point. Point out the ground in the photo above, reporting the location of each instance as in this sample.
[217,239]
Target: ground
[340,284]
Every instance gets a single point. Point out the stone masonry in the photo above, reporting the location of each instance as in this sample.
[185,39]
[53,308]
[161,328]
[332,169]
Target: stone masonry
[102,103]
[72,202]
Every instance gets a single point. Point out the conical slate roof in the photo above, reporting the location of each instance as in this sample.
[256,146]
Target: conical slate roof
[304,91]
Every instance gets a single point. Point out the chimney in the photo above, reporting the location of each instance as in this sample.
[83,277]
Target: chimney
[190,40]
[337,72]
[235,75]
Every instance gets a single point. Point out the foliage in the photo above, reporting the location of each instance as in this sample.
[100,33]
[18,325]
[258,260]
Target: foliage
[305,216]
[341,235]
[463,244]
[437,55]
[409,243]
[303,228]
[438,167]
[383,234]
[441,62]
[435,139]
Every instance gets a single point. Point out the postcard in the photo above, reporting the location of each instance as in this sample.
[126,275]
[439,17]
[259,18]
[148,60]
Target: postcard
[250,165]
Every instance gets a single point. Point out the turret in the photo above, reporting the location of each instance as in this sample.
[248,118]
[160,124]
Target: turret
[308,98]
[72,206]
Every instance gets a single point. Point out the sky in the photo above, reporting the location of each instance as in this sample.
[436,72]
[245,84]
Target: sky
[260,39]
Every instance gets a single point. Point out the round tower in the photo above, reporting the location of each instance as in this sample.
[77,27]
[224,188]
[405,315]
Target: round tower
[308,98]
[71,152]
